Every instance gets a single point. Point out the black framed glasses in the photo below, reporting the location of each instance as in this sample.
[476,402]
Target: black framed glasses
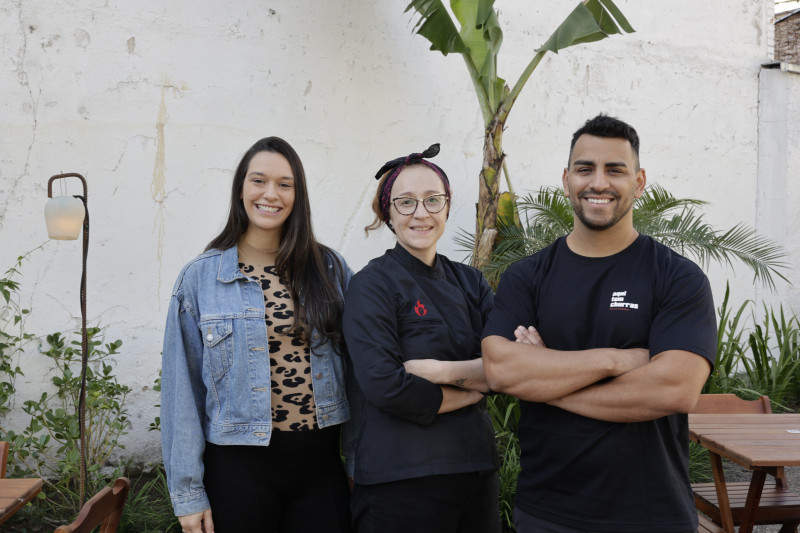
[406,205]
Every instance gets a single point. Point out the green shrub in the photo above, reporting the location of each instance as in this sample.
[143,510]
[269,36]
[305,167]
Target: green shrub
[49,446]
[730,349]
[504,411]
[149,508]
[12,334]
[774,359]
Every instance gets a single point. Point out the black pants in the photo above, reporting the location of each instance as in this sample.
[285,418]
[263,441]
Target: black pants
[452,503]
[526,523]
[295,485]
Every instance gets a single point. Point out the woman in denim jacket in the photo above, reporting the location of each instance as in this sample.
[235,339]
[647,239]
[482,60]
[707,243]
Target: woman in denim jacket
[253,369]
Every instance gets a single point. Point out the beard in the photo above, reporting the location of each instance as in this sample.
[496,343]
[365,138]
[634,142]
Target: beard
[604,223]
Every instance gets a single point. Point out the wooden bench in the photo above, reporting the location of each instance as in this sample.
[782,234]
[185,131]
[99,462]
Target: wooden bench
[3,458]
[704,525]
[104,509]
[777,505]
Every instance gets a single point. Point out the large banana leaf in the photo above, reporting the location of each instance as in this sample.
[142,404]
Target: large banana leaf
[436,25]
[590,21]
[481,32]
[478,41]
[479,38]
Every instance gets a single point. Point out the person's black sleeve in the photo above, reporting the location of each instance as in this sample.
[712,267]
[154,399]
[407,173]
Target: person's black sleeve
[686,319]
[370,330]
[513,305]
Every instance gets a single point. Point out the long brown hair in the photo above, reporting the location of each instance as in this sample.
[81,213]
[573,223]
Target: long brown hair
[301,261]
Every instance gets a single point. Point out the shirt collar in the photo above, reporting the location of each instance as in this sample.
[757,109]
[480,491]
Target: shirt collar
[229,265]
[414,265]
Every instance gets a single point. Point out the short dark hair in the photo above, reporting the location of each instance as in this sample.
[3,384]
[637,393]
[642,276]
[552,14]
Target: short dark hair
[301,261]
[609,127]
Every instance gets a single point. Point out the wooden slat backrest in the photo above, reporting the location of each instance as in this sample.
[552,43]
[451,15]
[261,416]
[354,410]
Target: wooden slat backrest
[104,507]
[3,458]
[731,404]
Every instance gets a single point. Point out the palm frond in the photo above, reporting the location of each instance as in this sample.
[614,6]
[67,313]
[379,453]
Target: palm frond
[764,256]
[464,240]
[674,222]
[689,234]
[686,233]
[517,242]
[549,207]
[657,201]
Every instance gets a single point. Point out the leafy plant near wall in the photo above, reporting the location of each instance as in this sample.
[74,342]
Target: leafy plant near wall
[730,344]
[155,425]
[478,38]
[12,334]
[49,446]
[149,507]
[774,361]
[504,412]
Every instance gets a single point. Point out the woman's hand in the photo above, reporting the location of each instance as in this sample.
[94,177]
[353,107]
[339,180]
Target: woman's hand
[197,523]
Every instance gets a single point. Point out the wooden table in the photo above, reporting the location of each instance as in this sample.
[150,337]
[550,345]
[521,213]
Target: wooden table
[758,442]
[14,493]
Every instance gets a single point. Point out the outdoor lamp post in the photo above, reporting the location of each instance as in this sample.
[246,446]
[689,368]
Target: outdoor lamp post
[64,216]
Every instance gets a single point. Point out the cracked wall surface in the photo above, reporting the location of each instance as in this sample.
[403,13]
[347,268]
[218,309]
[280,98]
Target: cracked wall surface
[154,102]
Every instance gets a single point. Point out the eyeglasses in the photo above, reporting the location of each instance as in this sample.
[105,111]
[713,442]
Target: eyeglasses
[406,205]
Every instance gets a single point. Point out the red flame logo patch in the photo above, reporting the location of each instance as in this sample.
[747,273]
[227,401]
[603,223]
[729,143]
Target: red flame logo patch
[420,309]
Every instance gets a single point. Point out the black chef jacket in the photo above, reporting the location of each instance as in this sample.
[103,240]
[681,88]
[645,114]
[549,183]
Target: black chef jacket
[398,308]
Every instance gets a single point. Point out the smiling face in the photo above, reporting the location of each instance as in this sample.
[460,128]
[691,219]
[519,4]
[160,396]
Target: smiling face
[268,195]
[419,232]
[602,181]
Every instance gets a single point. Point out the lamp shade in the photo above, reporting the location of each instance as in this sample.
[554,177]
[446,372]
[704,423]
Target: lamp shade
[64,217]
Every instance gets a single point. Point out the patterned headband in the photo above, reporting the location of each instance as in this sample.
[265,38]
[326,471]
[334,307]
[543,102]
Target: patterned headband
[395,166]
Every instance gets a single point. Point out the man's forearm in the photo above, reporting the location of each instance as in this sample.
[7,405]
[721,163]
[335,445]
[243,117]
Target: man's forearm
[539,374]
[671,383]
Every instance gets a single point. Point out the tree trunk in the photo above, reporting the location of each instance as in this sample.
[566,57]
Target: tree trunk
[489,194]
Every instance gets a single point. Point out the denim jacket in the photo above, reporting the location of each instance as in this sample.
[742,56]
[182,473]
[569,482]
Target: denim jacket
[215,382]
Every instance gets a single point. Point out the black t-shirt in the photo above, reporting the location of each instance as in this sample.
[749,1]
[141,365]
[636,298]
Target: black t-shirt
[399,309]
[586,473]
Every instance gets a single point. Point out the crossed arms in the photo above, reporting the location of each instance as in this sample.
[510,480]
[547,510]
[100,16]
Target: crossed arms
[642,387]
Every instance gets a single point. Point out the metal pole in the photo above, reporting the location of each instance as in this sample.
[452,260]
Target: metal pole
[84,336]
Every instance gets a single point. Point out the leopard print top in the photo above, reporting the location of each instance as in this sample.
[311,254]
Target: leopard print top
[293,407]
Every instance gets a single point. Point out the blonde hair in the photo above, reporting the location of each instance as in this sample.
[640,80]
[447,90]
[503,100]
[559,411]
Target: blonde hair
[376,208]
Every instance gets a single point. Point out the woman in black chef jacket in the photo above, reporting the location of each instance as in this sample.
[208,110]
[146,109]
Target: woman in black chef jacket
[425,458]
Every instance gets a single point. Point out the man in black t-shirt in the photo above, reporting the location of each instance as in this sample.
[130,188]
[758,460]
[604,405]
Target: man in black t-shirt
[619,336]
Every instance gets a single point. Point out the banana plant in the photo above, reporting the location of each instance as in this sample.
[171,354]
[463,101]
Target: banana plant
[477,38]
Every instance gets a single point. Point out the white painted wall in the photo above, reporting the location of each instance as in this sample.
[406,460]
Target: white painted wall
[154,103]
[777,215]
